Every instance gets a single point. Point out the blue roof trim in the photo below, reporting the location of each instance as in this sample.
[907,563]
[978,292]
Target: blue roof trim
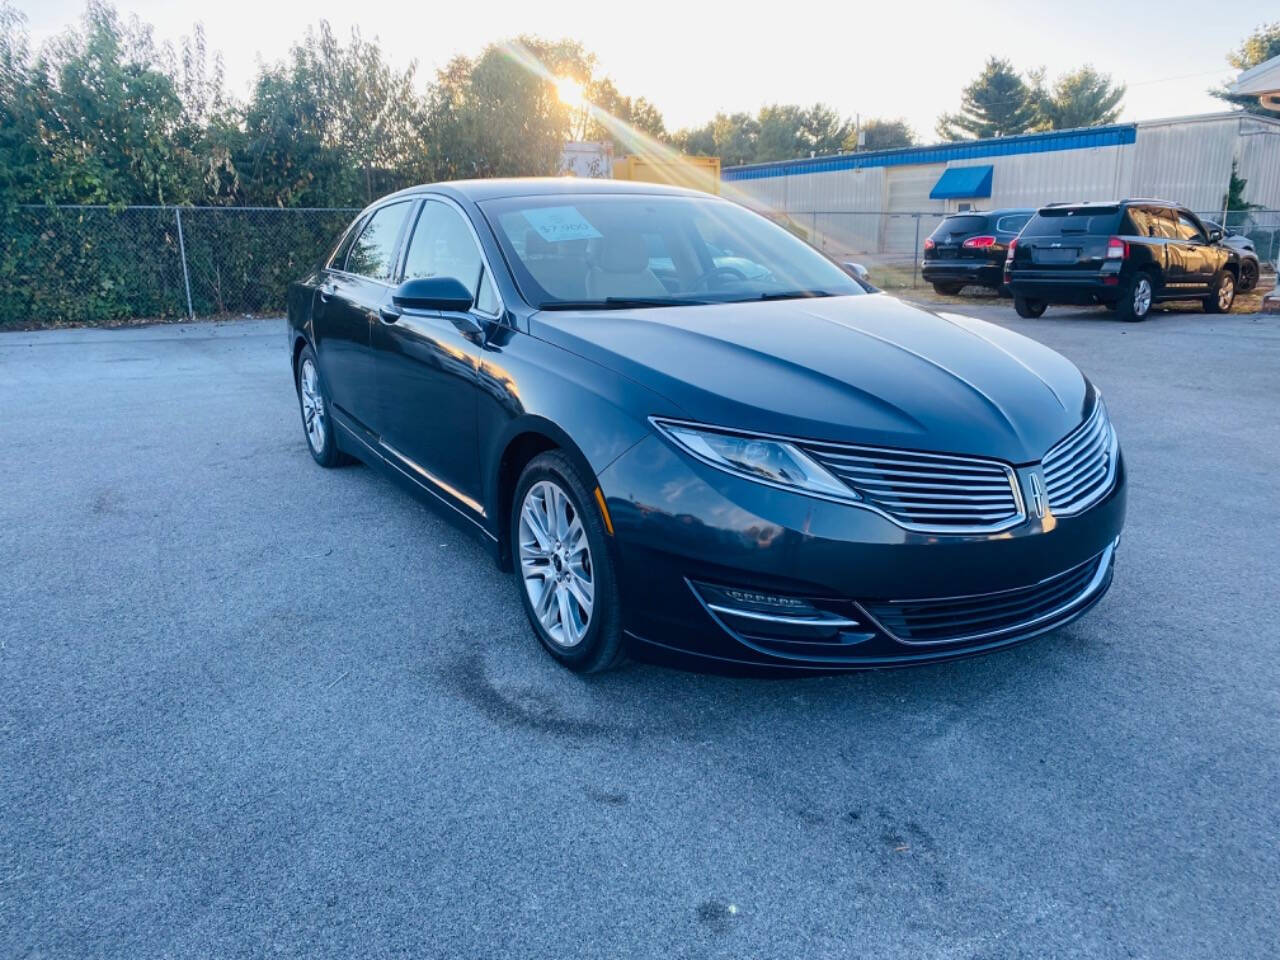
[1111,136]
[963,182]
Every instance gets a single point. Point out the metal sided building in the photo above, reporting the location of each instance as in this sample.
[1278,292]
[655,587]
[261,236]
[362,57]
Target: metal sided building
[851,199]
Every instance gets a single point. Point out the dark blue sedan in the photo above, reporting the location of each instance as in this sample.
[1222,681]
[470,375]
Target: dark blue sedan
[687,432]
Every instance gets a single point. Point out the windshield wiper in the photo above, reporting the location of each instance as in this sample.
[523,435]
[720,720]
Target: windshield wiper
[620,303]
[795,295]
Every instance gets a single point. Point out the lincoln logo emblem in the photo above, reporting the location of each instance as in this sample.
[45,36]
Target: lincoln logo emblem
[1038,500]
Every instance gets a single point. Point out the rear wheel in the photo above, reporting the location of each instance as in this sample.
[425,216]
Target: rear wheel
[948,289]
[1136,297]
[1223,296]
[563,565]
[1028,308]
[1248,276]
[317,423]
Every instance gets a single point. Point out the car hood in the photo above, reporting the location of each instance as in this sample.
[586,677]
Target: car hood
[860,369]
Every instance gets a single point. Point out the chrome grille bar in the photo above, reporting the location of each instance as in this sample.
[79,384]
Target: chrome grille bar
[928,492]
[1080,469]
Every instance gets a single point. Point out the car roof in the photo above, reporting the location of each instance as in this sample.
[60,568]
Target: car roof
[1128,201]
[501,187]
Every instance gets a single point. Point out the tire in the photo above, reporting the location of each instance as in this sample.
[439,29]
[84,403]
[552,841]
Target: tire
[1248,276]
[1137,294]
[947,289]
[590,640]
[1223,296]
[314,405]
[1028,309]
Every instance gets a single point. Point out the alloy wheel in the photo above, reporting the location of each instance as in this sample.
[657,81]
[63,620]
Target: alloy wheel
[1226,292]
[1141,297]
[555,563]
[312,405]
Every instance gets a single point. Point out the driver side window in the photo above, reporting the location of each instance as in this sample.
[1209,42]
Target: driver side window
[443,246]
[1189,230]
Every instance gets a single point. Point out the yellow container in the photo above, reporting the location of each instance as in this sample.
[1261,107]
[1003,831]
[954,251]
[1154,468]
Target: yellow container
[696,173]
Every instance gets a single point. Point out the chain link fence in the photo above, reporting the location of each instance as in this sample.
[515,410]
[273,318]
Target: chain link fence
[92,264]
[87,264]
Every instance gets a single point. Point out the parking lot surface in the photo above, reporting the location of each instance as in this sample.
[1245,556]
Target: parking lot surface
[251,707]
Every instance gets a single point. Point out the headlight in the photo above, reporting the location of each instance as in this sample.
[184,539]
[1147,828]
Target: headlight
[774,462]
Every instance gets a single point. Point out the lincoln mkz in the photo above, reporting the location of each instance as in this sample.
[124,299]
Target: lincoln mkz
[685,431]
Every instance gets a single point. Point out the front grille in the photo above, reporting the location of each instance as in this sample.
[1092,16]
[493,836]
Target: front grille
[927,491]
[991,615]
[1080,469]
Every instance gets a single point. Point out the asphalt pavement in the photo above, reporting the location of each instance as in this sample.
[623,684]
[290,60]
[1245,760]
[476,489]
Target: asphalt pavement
[250,707]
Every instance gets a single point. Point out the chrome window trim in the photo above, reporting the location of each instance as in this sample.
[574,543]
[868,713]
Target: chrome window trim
[1011,475]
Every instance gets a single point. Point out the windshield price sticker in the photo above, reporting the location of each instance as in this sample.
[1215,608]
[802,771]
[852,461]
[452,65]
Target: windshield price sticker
[557,224]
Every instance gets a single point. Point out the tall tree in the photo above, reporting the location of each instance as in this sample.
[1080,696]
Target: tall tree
[495,116]
[998,103]
[1081,98]
[1259,47]
[881,134]
[733,137]
[92,119]
[636,112]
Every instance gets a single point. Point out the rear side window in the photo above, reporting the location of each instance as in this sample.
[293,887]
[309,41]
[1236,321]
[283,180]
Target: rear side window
[373,253]
[1068,221]
[338,256]
[1161,223]
[968,224]
[1012,223]
[1137,223]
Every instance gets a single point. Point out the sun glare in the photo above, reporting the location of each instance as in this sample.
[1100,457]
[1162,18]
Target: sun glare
[570,92]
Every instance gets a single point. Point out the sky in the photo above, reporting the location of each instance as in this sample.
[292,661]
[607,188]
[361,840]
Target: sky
[890,59]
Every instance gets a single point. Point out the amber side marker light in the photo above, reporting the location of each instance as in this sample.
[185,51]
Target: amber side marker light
[604,511]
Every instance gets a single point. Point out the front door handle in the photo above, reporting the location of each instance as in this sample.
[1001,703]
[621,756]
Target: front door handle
[388,315]
[326,291]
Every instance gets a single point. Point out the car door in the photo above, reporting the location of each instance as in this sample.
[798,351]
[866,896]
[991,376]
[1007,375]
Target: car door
[346,306]
[1201,257]
[1163,226]
[428,361]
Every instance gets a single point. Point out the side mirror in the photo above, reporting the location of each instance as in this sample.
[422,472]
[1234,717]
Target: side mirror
[1215,235]
[433,293]
[860,276]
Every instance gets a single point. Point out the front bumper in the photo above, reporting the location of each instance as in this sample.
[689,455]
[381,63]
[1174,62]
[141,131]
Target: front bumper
[680,524]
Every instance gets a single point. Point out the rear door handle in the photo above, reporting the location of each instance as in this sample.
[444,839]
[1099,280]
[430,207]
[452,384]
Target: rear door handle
[387,315]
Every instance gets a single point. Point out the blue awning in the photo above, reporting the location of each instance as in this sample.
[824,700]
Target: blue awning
[962,182]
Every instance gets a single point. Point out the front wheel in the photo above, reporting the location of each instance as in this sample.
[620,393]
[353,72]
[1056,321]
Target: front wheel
[1248,276]
[1027,308]
[1223,296]
[317,421]
[563,565]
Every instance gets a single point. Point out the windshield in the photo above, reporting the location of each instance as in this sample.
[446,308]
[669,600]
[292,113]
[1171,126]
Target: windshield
[603,250]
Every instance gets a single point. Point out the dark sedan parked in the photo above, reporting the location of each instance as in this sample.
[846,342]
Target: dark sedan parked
[969,249]
[758,463]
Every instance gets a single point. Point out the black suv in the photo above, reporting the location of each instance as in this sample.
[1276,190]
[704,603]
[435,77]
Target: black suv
[969,248]
[1125,255]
